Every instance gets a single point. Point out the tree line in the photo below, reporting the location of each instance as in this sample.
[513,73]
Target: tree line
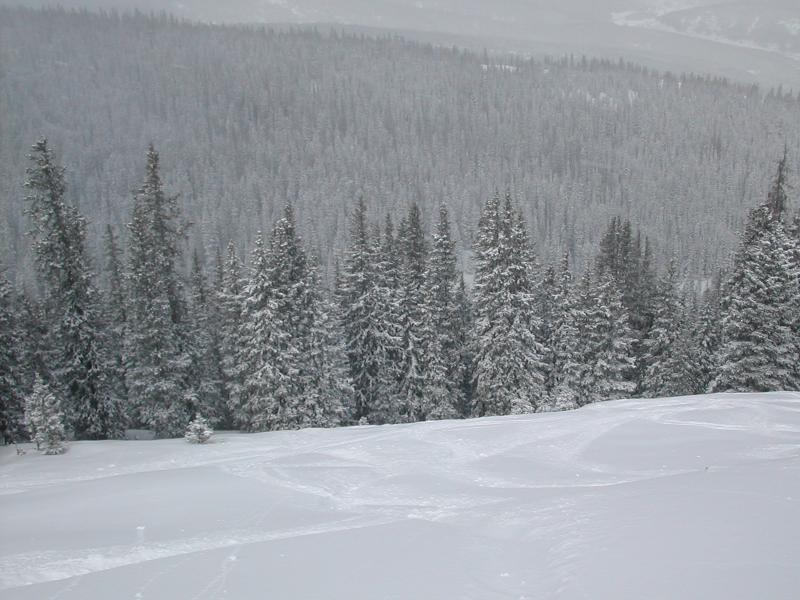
[400,338]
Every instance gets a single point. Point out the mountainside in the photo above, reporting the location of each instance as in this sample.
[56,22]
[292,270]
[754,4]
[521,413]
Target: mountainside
[247,120]
[772,25]
[726,38]
[694,498]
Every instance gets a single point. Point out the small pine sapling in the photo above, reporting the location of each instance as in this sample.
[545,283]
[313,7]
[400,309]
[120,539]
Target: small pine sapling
[45,419]
[198,431]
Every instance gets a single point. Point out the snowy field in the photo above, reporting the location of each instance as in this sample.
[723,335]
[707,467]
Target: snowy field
[681,498]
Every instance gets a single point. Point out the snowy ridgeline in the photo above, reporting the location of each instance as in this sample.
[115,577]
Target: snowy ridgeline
[695,497]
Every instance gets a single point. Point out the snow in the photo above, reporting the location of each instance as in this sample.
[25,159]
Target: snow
[695,497]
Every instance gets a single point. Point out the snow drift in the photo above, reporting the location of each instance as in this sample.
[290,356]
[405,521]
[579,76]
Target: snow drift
[695,497]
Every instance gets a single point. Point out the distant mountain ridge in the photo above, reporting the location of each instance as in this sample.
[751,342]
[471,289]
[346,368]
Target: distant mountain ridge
[723,40]
[773,26]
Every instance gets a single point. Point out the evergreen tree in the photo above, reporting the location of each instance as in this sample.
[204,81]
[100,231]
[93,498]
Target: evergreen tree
[285,343]
[44,419]
[759,346]
[628,261]
[327,391]
[465,345]
[230,301]
[301,357]
[157,358]
[116,318]
[256,407]
[608,339]
[547,310]
[206,370]
[566,343]
[370,338]
[509,365]
[666,358]
[794,265]
[11,391]
[198,431]
[80,367]
[411,378]
[35,353]
[444,334]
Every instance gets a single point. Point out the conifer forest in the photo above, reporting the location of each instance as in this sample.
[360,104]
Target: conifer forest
[377,269]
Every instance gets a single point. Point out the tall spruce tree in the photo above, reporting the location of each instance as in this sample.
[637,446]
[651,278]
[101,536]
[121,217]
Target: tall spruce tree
[292,374]
[566,343]
[157,356]
[371,338]
[301,359]
[759,346]
[464,340]
[230,301]
[666,359]
[80,367]
[411,298]
[608,357]
[256,406]
[11,391]
[444,369]
[116,318]
[206,369]
[794,264]
[509,358]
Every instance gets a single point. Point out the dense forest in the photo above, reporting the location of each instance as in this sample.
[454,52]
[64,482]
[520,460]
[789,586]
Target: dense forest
[252,119]
[399,339]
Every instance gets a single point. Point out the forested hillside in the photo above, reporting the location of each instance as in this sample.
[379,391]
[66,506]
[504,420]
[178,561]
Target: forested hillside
[249,119]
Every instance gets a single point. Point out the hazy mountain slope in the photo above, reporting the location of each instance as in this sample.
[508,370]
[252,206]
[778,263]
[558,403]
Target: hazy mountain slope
[772,25]
[248,120]
[647,31]
[692,498]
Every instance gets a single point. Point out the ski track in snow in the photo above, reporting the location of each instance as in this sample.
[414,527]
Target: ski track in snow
[537,479]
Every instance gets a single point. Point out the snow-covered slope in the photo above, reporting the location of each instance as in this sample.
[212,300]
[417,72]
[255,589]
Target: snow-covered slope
[679,498]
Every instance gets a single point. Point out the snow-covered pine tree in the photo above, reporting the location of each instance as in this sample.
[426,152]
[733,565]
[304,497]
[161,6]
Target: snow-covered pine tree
[547,310]
[80,368]
[370,338]
[230,301]
[300,355]
[794,262]
[566,343]
[509,364]
[411,377]
[198,431]
[116,318]
[705,321]
[157,359]
[11,391]
[391,404]
[608,339]
[206,372]
[628,260]
[44,419]
[256,407]
[665,358]
[443,396]
[464,341]
[759,346]
[327,392]
[35,354]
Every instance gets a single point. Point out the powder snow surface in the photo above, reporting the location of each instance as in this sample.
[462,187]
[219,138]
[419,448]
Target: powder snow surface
[678,498]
